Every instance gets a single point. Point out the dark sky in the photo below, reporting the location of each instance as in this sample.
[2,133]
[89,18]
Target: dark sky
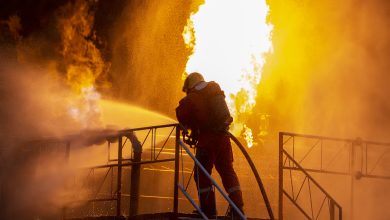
[35,16]
[33,12]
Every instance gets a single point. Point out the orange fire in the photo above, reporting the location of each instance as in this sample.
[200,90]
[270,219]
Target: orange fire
[83,61]
[229,40]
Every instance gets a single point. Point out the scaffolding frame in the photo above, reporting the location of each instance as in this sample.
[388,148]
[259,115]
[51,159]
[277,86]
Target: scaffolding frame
[356,158]
[288,162]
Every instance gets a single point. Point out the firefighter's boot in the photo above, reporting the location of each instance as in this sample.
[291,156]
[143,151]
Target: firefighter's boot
[207,202]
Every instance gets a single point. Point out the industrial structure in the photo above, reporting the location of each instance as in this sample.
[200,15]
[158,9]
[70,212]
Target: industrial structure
[147,174]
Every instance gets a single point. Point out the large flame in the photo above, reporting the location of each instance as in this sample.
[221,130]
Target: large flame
[229,39]
[83,61]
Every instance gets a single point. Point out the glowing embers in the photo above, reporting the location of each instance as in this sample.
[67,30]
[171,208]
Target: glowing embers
[229,39]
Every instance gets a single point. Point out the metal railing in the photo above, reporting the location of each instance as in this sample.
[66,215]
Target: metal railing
[119,162]
[295,188]
[127,138]
[215,184]
[106,181]
[356,158]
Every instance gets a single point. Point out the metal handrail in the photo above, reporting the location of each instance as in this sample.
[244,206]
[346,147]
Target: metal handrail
[298,167]
[112,136]
[334,139]
[192,201]
[307,175]
[367,167]
[199,165]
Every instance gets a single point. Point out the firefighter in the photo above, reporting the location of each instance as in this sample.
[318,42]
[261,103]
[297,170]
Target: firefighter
[204,111]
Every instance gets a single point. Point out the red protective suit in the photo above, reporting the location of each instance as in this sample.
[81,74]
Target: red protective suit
[196,111]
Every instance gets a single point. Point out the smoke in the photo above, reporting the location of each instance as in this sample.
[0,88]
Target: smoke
[51,74]
[52,71]
[33,105]
[328,75]
[47,81]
